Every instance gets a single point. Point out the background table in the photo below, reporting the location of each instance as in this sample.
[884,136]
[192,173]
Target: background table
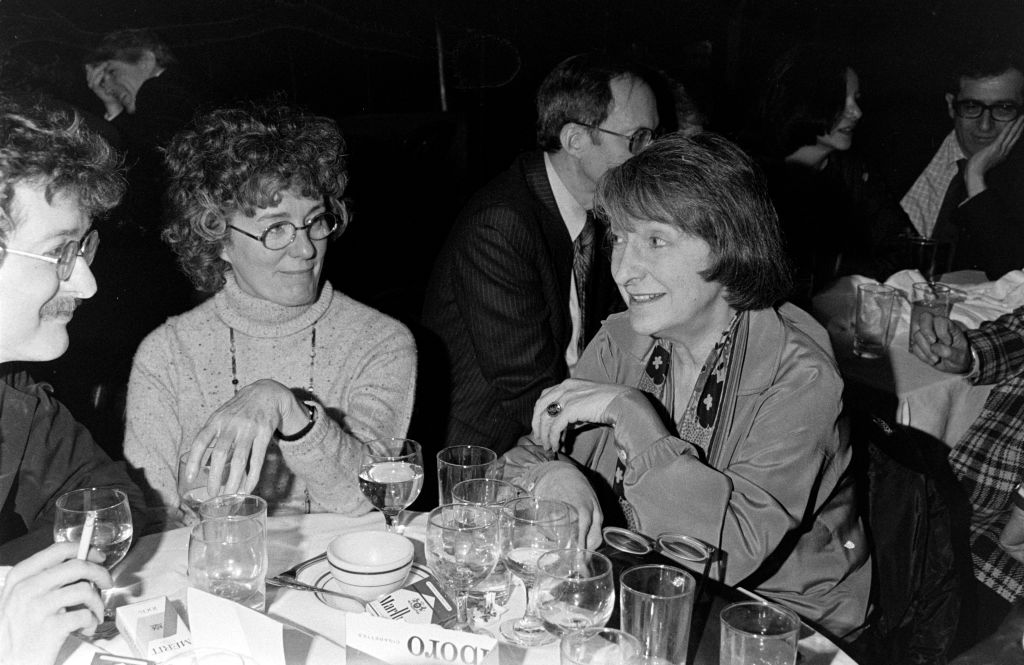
[157,565]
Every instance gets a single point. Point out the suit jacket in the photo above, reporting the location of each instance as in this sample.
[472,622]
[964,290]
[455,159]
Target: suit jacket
[991,224]
[44,453]
[499,301]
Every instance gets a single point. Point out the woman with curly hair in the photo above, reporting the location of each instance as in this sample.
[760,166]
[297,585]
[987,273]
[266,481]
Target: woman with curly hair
[277,377]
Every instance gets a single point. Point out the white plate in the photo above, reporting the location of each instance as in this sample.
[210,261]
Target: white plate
[317,572]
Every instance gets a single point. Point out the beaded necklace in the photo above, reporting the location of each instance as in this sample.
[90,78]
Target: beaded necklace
[234,364]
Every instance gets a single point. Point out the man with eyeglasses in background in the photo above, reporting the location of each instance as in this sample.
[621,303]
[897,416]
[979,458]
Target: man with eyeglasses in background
[55,176]
[522,283]
[971,194]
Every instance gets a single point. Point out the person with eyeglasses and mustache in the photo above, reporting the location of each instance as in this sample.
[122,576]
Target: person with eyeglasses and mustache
[522,283]
[971,194]
[277,379]
[55,178]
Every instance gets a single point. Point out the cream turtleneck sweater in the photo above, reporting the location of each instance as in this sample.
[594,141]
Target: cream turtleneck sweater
[364,378]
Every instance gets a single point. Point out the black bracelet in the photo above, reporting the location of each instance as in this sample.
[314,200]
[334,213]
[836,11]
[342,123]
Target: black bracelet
[305,430]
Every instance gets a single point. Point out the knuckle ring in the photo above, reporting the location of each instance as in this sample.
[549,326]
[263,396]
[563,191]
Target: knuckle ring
[553,409]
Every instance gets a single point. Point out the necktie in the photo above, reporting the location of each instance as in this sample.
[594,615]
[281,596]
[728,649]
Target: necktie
[583,257]
[944,229]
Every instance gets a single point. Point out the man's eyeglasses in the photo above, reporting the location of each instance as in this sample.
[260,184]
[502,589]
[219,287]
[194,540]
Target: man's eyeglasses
[281,234]
[69,253]
[638,140]
[1001,111]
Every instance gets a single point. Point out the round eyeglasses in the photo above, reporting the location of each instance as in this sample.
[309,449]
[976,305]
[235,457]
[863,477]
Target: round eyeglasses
[68,255]
[970,109]
[638,140]
[281,234]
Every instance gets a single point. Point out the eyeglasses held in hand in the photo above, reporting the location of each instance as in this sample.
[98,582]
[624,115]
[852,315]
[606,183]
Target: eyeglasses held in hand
[638,140]
[972,108]
[281,234]
[67,256]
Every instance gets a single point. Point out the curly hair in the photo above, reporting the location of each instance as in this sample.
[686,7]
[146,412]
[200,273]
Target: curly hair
[236,160]
[708,188]
[50,148]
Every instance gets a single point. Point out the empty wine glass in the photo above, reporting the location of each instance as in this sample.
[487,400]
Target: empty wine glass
[391,475]
[574,590]
[111,518]
[532,527]
[463,545]
[489,596]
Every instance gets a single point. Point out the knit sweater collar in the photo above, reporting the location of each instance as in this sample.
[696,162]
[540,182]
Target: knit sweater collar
[261,318]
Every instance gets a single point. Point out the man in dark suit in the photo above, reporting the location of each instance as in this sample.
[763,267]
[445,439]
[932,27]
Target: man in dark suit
[972,192]
[522,282]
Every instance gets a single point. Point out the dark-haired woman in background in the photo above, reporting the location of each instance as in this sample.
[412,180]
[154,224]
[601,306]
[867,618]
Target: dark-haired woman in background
[717,406]
[278,376]
[837,217]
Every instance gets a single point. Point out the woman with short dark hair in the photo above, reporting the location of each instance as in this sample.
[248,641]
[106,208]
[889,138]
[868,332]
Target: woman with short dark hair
[717,407]
[277,376]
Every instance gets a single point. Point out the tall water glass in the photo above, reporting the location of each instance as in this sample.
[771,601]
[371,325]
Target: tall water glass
[391,476]
[755,633]
[599,646]
[458,463]
[227,556]
[488,597]
[574,590]
[871,325]
[463,544]
[655,604]
[532,527]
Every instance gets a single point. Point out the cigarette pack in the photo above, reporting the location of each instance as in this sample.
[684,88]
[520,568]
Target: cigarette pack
[153,629]
[423,601]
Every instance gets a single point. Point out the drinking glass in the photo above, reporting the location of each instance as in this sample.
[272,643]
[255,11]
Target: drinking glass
[112,523]
[921,254]
[755,633]
[574,590]
[488,597]
[463,545]
[227,556]
[599,646]
[458,463]
[871,325]
[391,475]
[655,605]
[532,527]
[931,297]
[194,492]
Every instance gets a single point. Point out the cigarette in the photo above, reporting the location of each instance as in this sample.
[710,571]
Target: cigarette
[83,544]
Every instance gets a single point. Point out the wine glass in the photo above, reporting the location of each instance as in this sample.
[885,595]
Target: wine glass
[532,527]
[111,518]
[391,475]
[574,590]
[488,598]
[463,545]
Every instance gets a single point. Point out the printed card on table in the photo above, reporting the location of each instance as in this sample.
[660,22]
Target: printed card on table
[372,641]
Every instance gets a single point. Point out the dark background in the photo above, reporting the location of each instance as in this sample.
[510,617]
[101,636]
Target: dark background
[377,66]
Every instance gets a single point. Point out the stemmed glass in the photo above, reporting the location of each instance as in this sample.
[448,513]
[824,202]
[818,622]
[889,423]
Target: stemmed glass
[532,527]
[463,545]
[391,475]
[108,510]
[488,598]
[574,590]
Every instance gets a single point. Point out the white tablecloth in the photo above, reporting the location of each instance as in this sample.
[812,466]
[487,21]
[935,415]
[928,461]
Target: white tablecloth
[937,403]
[157,565]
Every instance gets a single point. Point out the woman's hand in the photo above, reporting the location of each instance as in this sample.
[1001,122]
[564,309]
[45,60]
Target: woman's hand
[577,401]
[47,597]
[238,433]
[566,483]
[100,84]
[941,343]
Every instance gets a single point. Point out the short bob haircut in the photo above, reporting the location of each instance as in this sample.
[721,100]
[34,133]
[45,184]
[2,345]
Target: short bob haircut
[708,188]
[51,148]
[237,160]
[803,98]
[129,46]
[578,90]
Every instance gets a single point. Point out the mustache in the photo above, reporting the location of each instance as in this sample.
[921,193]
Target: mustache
[59,307]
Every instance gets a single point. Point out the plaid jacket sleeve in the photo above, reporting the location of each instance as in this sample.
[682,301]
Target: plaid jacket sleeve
[1000,347]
